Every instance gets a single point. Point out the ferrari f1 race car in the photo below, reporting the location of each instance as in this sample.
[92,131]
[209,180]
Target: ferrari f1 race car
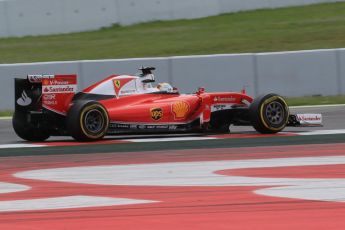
[49,105]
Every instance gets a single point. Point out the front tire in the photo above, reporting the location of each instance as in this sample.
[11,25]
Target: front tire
[28,131]
[87,121]
[269,113]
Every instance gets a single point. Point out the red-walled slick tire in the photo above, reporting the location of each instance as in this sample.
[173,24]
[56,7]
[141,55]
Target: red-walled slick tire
[269,113]
[87,121]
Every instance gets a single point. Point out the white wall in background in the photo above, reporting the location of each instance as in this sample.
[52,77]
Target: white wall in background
[188,9]
[33,17]
[215,73]
[37,17]
[298,73]
[3,19]
[88,14]
[131,11]
[341,69]
[240,5]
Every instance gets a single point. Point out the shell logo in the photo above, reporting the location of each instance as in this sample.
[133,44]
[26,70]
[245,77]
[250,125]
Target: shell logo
[180,109]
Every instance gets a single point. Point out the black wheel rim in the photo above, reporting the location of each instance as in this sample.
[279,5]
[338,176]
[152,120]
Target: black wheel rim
[94,121]
[275,113]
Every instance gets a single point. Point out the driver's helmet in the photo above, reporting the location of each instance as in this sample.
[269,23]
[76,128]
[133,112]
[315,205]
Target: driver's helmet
[165,87]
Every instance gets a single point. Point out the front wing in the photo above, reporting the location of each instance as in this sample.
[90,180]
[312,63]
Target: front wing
[305,120]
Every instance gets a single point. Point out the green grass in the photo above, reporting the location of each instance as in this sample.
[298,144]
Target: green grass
[6,113]
[295,28]
[317,100]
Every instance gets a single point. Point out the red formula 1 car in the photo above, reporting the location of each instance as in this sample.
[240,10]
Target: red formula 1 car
[48,105]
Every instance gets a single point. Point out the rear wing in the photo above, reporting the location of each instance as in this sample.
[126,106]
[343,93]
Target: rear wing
[51,92]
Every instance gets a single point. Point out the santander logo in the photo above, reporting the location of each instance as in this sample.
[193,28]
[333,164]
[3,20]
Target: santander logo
[59,89]
[310,118]
[24,100]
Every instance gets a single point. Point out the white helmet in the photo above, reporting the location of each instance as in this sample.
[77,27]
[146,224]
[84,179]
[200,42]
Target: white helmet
[165,87]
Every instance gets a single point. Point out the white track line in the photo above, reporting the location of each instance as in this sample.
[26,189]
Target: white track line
[5,118]
[10,187]
[322,132]
[202,173]
[170,139]
[65,203]
[186,138]
[13,146]
[315,106]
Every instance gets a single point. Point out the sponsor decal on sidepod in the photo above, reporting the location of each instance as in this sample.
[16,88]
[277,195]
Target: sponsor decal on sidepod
[180,110]
[156,113]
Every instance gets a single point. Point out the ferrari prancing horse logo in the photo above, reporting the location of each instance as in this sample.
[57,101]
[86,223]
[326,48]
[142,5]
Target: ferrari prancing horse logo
[120,83]
[156,113]
[117,84]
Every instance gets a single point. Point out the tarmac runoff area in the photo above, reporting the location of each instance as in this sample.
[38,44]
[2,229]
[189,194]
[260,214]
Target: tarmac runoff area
[238,181]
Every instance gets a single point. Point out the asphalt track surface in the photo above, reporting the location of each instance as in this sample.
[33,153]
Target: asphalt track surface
[237,182]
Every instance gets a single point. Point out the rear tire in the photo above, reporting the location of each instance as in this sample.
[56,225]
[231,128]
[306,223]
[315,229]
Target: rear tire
[87,121]
[27,131]
[269,113]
